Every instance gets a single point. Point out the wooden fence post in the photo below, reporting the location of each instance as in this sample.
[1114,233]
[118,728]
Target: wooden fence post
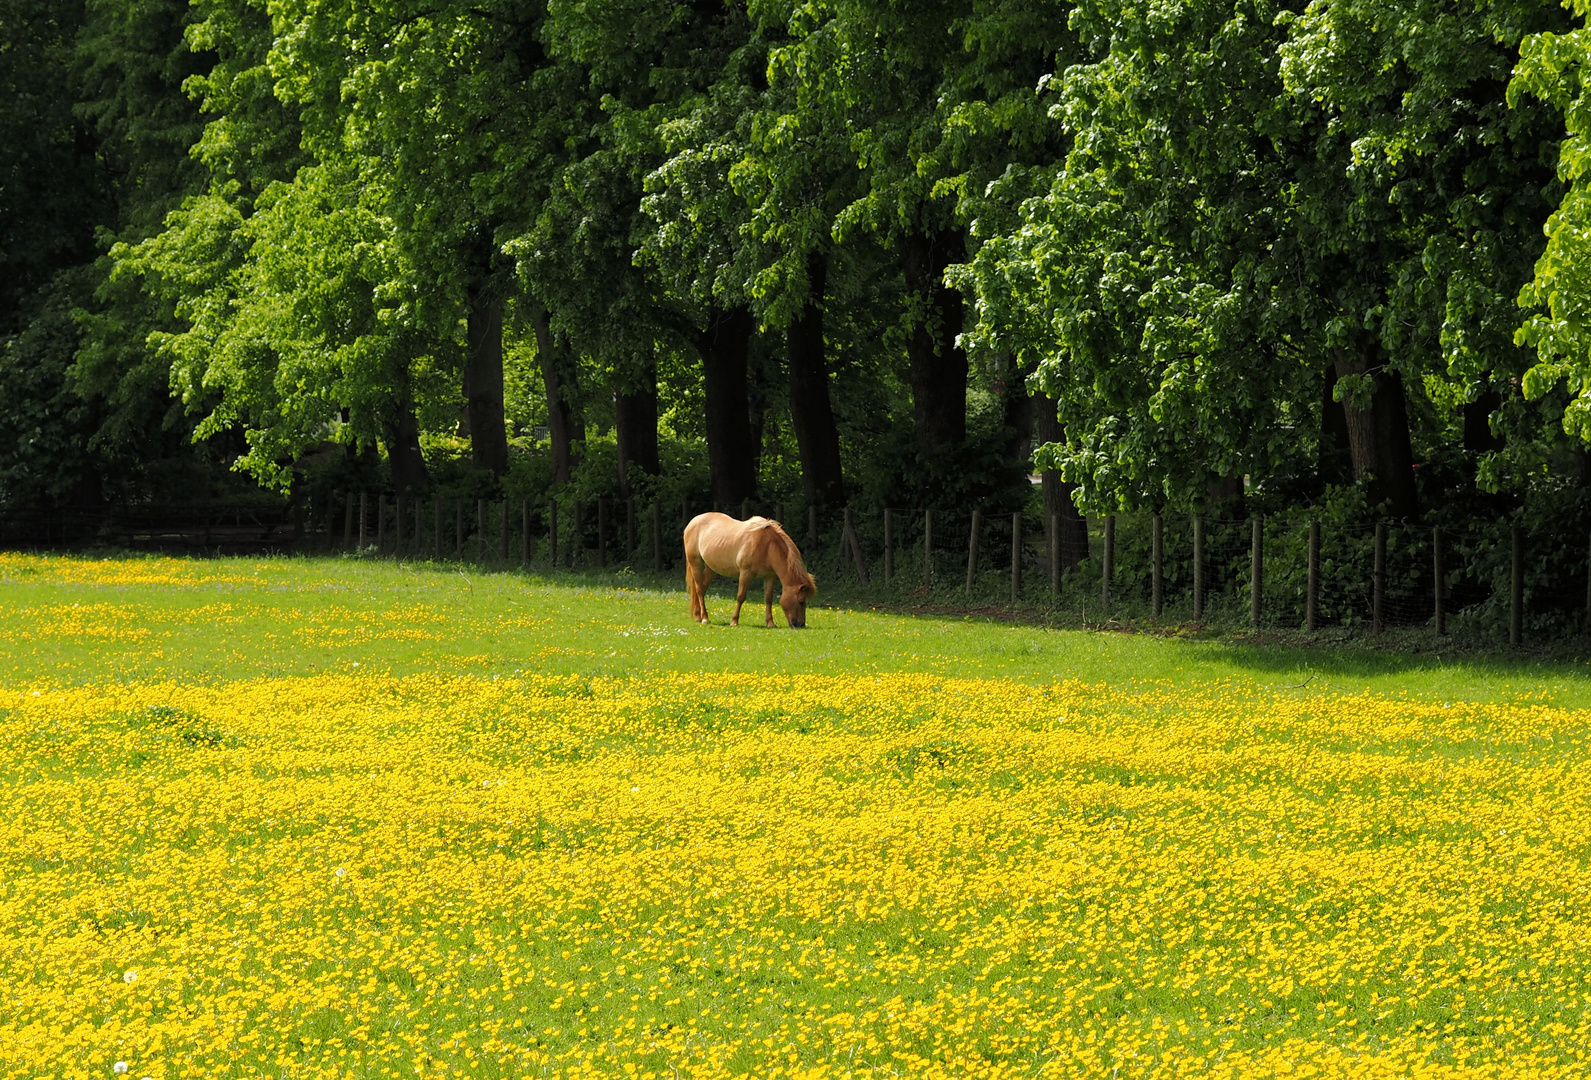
[398,507]
[657,536]
[1378,585]
[381,523]
[1016,558]
[1516,591]
[1312,588]
[1107,562]
[502,543]
[972,549]
[348,521]
[889,548]
[928,549]
[458,529]
[1157,569]
[856,547]
[629,530]
[524,532]
[363,512]
[602,533]
[1198,569]
[745,509]
[480,531]
[1256,573]
[1438,577]
[436,522]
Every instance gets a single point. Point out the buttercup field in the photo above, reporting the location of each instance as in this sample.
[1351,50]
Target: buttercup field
[304,819]
[1145,447]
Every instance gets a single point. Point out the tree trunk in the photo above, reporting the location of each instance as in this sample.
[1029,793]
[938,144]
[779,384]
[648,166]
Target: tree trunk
[635,424]
[938,364]
[1334,460]
[1478,437]
[565,426]
[725,348]
[1226,497]
[1378,436]
[483,381]
[1018,407]
[1072,543]
[757,408]
[403,452]
[811,414]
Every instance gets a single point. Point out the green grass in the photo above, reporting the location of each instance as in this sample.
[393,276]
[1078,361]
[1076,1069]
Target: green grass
[623,623]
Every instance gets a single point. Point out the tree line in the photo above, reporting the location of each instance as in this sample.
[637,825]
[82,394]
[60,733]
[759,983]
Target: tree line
[1179,258]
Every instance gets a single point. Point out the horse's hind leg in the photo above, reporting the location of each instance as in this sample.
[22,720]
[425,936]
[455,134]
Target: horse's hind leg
[767,603]
[696,576]
[740,596]
[704,578]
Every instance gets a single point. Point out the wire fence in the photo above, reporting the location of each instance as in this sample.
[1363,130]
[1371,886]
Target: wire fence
[1289,572]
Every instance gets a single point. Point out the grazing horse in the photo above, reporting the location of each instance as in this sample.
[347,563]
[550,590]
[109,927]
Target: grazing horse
[758,547]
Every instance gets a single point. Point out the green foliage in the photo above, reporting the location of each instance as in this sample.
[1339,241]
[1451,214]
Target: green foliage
[1251,191]
[293,314]
[51,192]
[46,427]
[1552,69]
[1204,230]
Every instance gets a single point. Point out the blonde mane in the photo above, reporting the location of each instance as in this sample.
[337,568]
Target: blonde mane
[792,554]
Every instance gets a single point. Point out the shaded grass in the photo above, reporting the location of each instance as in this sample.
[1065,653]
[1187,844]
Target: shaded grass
[293,616]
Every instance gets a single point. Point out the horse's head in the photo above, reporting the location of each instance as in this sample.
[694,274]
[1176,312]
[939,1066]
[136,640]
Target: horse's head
[794,601]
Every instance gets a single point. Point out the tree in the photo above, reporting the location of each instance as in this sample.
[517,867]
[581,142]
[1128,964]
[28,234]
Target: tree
[1247,201]
[1419,210]
[457,107]
[697,245]
[52,196]
[1554,69]
[291,316]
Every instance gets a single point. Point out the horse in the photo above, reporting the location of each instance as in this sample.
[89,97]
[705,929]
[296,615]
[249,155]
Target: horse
[756,547]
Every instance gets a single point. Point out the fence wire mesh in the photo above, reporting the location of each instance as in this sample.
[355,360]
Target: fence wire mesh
[1355,575]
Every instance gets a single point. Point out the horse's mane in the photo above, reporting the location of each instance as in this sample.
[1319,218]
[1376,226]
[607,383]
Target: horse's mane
[792,553]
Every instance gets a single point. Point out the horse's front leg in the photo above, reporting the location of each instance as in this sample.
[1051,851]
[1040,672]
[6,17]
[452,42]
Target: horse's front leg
[740,596]
[767,604]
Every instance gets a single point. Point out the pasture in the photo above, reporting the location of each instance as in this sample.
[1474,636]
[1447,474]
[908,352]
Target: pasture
[327,818]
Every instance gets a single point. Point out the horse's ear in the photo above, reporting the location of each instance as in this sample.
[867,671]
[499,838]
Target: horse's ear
[810,588]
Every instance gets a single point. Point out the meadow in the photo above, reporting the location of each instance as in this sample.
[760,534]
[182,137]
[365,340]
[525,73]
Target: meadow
[326,818]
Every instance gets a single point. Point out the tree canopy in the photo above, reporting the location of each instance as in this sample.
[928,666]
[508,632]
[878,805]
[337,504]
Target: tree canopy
[1170,256]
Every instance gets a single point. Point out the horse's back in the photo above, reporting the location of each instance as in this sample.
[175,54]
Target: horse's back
[726,545]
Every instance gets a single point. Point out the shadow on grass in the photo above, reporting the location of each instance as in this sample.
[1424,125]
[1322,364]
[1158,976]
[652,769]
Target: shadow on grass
[1333,652]
[1336,653]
